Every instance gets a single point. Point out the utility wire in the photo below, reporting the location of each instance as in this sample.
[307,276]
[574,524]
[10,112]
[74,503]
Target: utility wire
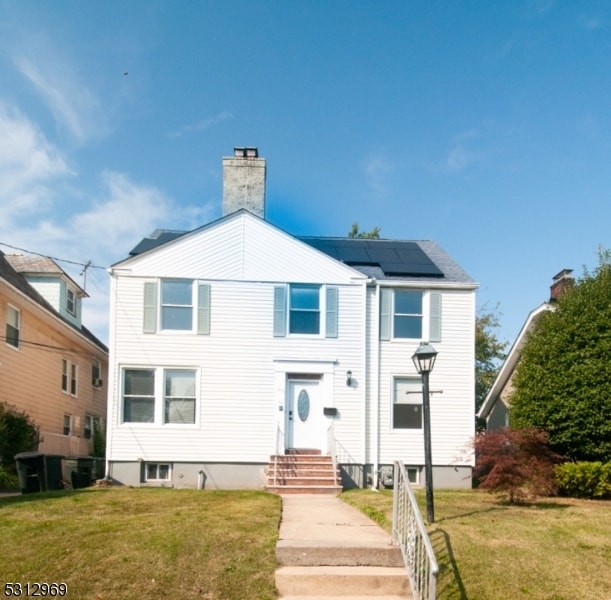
[87,265]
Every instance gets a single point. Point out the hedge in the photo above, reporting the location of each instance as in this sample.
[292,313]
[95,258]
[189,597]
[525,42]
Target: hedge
[584,480]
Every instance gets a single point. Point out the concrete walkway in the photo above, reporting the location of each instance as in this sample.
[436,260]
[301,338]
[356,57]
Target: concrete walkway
[328,549]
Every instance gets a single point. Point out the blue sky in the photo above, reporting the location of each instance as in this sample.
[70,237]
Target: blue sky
[485,126]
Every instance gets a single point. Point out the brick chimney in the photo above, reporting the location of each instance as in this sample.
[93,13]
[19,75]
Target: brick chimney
[561,283]
[244,182]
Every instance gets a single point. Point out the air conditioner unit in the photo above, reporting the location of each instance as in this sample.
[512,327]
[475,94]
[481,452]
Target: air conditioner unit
[97,382]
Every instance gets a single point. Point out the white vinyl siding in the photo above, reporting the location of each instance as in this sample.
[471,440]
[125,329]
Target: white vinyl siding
[451,384]
[237,385]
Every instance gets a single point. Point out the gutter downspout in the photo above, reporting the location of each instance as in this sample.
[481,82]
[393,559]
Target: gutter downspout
[375,387]
[110,392]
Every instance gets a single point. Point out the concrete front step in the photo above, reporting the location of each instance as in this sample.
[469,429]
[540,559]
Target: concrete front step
[302,473]
[303,489]
[342,581]
[312,554]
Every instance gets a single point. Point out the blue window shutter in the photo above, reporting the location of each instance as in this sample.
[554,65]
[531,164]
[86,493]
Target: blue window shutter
[435,317]
[280,311]
[385,313]
[149,321]
[332,310]
[203,309]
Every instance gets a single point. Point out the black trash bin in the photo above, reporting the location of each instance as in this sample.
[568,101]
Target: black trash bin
[81,470]
[39,472]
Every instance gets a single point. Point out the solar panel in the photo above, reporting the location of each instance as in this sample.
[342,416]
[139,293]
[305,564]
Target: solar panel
[393,257]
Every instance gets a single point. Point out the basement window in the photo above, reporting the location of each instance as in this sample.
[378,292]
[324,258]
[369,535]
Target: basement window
[157,472]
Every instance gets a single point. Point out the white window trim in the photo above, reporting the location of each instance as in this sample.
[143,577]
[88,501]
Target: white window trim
[71,425]
[423,315]
[417,381]
[322,313]
[426,315]
[157,464]
[159,398]
[70,293]
[18,313]
[70,373]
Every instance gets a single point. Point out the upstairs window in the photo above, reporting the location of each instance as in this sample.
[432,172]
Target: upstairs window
[13,326]
[410,314]
[71,302]
[69,377]
[177,304]
[96,373]
[407,316]
[304,309]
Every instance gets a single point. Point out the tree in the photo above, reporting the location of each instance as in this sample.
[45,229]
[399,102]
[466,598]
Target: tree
[489,352]
[516,463]
[18,433]
[374,234]
[563,380]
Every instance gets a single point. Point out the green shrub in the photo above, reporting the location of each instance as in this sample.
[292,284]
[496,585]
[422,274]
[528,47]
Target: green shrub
[584,480]
[8,481]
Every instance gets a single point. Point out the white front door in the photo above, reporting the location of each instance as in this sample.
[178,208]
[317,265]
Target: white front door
[304,414]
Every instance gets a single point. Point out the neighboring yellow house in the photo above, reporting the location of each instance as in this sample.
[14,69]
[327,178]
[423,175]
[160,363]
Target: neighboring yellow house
[51,366]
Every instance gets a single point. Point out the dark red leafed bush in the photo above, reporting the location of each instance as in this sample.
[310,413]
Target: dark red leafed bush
[515,463]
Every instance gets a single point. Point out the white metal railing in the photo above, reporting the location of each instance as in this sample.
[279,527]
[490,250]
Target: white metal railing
[332,448]
[279,450]
[409,532]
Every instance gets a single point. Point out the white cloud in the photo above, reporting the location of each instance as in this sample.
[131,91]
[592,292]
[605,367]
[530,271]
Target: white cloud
[377,171]
[29,166]
[74,107]
[202,124]
[460,155]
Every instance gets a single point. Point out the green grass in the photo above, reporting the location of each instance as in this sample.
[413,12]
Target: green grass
[124,543]
[553,549]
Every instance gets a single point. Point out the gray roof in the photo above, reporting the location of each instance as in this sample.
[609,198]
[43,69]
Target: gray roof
[393,260]
[19,282]
[381,259]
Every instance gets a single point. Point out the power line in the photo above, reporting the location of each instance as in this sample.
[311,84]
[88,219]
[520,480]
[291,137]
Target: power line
[87,265]
[41,346]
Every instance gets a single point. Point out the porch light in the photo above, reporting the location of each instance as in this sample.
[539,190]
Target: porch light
[424,361]
[349,378]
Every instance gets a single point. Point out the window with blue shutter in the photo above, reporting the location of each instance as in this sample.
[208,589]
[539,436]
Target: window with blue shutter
[280,311]
[435,317]
[332,311]
[385,313]
[150,307]
[203,309]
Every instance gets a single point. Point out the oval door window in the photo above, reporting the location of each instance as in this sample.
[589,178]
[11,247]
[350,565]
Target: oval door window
[303,405]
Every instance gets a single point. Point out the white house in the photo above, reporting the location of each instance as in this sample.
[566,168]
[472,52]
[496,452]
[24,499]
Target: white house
[237,341]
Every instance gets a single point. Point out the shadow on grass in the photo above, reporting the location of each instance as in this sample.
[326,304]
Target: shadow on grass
[18,498]
[449,583]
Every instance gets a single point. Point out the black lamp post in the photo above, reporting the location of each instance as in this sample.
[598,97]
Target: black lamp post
[424,360]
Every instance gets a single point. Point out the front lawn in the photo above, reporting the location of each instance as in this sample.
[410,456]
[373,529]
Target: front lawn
[553,549]
[124,543]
